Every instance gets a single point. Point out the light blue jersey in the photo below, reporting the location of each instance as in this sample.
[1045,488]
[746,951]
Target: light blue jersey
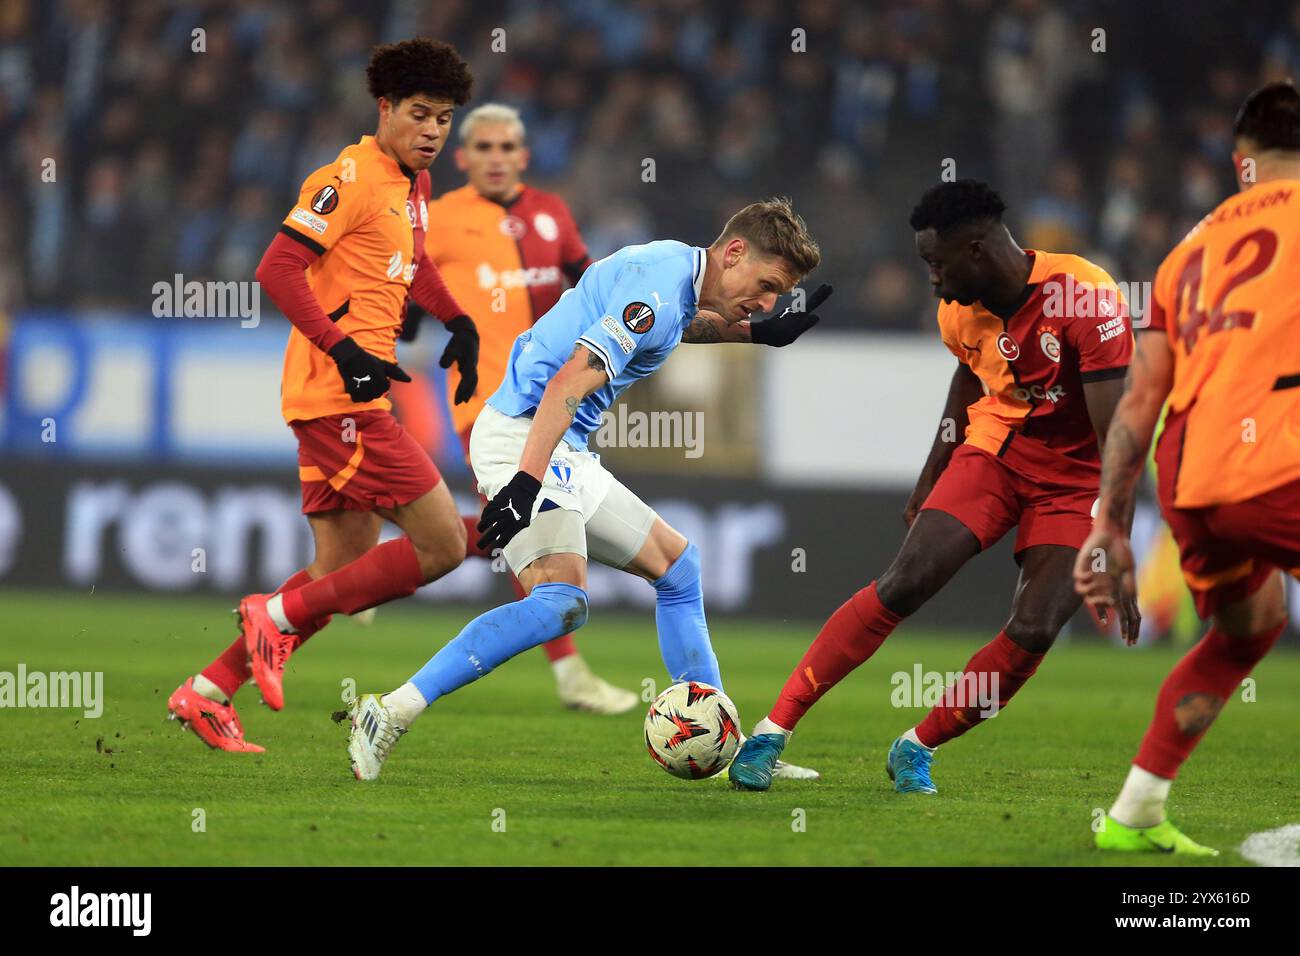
[630,308]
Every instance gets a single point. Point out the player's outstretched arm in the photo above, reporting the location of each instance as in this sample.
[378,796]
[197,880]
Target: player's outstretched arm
[510,511]
[963,392]
[708,327]
[780,330]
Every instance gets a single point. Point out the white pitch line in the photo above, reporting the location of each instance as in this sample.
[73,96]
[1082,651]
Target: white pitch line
[1280,847]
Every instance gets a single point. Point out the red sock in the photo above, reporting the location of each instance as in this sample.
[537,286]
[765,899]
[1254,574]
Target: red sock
[472,534]
[230,670]
[384,573]
[853,634]
[1194,693]
[1001,659]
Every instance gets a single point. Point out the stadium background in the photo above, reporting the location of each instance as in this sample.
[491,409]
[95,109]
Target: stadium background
[129,158]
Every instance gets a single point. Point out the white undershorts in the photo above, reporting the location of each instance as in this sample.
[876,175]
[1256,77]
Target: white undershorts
[593,513]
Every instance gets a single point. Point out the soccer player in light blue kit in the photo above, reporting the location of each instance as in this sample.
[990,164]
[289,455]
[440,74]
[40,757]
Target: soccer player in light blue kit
[552,505]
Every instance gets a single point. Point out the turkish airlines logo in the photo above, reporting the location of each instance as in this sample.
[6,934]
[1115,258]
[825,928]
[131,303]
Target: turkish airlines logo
[514,227]
[1008,347]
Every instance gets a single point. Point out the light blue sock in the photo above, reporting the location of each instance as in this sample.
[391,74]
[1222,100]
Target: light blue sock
[679,615]
[491,639]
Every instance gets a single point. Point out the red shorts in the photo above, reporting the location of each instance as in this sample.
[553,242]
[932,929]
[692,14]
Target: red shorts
[1227,552]
[990,498]
[360,461]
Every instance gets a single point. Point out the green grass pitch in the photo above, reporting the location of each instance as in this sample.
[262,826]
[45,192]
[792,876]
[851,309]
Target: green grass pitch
[576,789]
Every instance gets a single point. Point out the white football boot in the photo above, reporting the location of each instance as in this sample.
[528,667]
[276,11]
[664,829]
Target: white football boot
[580,689]
[374,732]
[791,771]
[783,770]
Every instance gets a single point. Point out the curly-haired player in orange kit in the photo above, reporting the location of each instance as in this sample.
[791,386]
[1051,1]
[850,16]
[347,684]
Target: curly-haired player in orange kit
[1223,349]
[1042,342]
[342,267]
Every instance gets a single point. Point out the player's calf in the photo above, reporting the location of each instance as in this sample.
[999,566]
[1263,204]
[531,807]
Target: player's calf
[935,549]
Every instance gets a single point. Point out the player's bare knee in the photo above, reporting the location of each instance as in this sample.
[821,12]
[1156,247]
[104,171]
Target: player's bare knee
[1262,611]
[1034,636]
[906,586]
[440,556]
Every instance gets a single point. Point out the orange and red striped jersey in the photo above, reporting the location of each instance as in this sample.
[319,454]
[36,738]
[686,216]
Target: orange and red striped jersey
[1228,298]
[506,264]
[1071,328]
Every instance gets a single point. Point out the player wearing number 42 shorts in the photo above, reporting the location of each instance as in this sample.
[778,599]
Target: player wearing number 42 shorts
[1223,351]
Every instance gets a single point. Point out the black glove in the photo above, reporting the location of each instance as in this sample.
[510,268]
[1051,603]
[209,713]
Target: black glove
[411,324]
[463,350]
[509,511]
[783,329]
[364,376]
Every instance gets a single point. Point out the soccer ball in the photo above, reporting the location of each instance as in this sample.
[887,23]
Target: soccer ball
[692,730]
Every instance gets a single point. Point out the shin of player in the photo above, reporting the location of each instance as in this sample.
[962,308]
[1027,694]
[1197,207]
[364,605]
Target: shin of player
[552,505]
[1032,396]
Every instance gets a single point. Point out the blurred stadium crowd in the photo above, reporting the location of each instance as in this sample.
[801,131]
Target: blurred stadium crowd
[170,160]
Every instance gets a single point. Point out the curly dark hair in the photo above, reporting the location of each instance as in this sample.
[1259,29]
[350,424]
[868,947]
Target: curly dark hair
[1270,117]
[420,65]
[956,204]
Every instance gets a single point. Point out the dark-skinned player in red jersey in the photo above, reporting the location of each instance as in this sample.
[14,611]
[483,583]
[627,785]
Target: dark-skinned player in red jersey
[1043,343]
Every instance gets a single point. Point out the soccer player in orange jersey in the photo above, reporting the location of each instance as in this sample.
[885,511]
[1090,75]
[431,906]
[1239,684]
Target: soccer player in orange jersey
[345,260]
[1223,349]
[1042,344]
[506,250]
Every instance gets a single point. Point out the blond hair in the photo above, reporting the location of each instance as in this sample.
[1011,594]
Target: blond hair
[773,228]
[491,113]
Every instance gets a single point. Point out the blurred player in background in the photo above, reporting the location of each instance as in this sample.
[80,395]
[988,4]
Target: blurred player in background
[506,251]
[552,504]
[1042,344]
[1224,349]
[345,261]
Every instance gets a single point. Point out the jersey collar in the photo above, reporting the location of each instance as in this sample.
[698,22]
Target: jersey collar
[699,261]
[507,203]
[387,162]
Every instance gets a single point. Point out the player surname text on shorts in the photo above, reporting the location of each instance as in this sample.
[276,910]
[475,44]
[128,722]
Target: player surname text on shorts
[84,689]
